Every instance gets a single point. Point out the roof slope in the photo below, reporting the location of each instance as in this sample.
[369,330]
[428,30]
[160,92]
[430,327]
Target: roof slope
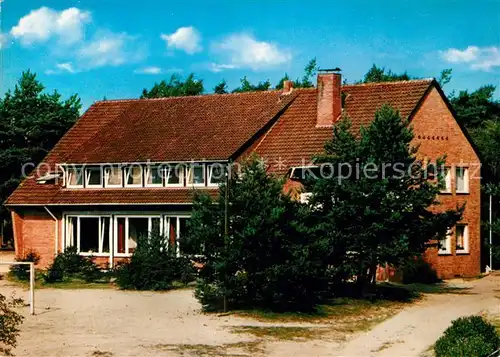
[207,127]
[294,139]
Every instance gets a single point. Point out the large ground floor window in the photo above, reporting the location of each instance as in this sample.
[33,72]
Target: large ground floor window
[117,234]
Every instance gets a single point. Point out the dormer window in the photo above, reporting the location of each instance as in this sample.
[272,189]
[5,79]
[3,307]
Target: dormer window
[196,175]
[174,175]
[75,177]
[113,177]
[93,177]
[154,175]
[216,174]
[133,176]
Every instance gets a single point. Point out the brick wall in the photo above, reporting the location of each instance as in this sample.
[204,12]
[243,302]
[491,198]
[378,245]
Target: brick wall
[437,133]
[35,230]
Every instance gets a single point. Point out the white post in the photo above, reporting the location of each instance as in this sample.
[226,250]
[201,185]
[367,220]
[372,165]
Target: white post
[491,233]
[32,288]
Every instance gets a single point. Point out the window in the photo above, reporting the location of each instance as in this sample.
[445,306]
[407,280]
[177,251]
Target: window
[176,228]
[90,234]
[133,176]
[130,229]
[305,197]
[196,175]
[113,177]
[444,174]
[445,244]
[174,175]
[93,177]
[154,176]
[75,177]
[462,238]
[462,179]
[216,174]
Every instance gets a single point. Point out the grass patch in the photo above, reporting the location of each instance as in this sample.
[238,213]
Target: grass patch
[238,349]
[73,283]
[286,333]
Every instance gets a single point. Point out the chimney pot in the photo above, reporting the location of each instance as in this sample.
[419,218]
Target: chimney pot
[329,97]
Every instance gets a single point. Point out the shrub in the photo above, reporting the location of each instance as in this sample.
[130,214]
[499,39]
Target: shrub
[468,336]
[417,270]
[69,264]
[9,324]
[22,272]
[154,265]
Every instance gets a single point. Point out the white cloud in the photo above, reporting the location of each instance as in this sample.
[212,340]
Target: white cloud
[109,49]
[60,68]
[243,50]
[215,67]
[187,39]
[45,23]
[478,58]
[149,70]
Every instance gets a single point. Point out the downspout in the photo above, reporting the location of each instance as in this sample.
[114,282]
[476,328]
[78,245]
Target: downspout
[57,229]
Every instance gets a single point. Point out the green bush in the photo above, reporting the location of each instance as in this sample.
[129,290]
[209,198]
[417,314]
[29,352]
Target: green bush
[154,265]
[417,270]
[22,272]
[468,336]
[69,264]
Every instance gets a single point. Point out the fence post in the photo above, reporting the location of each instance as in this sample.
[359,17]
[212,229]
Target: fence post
[32,288]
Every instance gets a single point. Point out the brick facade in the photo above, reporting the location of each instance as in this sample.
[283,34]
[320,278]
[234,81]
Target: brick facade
[437,133]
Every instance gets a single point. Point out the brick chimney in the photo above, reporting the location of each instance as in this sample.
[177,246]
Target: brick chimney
[329,97]
[287,87]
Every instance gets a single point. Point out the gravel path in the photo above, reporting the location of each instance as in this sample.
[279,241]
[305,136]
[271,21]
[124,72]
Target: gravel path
[415,329]
[109,323]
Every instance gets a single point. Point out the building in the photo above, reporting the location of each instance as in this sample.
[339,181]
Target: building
[129,166]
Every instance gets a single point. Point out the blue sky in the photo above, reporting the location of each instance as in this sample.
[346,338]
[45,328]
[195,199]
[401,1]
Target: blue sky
[114,48]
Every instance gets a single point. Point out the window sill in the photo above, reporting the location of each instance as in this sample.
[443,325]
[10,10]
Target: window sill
[463,193]
[101,255]
[463,252]
[445,193]
[444,253]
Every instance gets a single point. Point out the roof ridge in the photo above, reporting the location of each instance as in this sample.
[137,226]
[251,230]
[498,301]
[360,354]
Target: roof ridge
[420,80]
[207,95]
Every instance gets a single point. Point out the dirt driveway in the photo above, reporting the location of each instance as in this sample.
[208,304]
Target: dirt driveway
[117,323]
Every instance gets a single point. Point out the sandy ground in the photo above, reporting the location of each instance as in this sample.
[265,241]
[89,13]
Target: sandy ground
[117,323]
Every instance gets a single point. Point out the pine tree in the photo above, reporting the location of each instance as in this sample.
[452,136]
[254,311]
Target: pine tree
[267,260]
[31,123]
[374,200]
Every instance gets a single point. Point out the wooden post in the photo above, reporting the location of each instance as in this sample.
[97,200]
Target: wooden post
[32,288]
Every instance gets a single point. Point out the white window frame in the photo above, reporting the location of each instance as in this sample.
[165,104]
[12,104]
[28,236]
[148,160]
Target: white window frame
[466,238]
[182,171]
[209,173]
[126,217]
[99,253]
[190,172]
[447,180]
[127,171]
[447,245]
[148,173]
[166,226]
[82,172]
[466,179]
[87,177]
[107,171]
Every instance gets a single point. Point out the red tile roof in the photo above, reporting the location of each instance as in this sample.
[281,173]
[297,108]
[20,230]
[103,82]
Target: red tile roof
[209,127]
[294,139]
